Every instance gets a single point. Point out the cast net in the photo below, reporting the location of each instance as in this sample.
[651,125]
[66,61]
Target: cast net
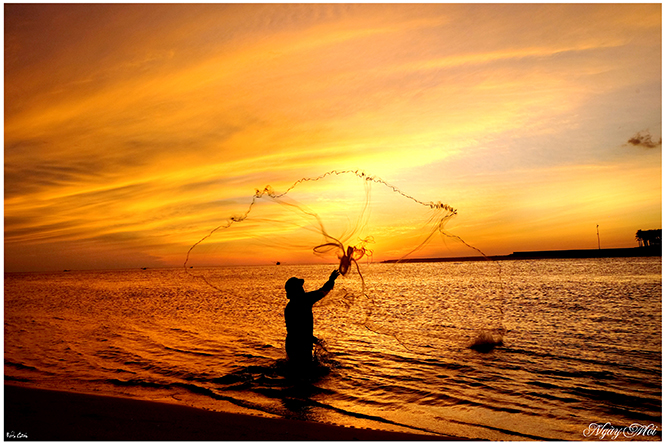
[349,217]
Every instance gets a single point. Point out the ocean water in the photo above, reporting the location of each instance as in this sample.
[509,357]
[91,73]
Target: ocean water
[582,344]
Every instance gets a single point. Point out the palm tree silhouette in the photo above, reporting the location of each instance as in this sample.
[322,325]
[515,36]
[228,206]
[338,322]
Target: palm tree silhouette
[651,237]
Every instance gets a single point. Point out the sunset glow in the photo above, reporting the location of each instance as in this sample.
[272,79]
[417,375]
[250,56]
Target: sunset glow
[132,131]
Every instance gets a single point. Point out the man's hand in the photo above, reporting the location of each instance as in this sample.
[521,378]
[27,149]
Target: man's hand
[334,275]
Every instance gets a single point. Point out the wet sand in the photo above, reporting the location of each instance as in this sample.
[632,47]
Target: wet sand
[36,414]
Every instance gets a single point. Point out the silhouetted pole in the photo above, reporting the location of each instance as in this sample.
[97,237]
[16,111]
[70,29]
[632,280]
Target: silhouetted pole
[598,234]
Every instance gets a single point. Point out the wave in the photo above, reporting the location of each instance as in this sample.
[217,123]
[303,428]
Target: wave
[189,351]
[20,366]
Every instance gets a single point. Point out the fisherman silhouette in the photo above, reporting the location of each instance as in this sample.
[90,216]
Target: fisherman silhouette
[300,320]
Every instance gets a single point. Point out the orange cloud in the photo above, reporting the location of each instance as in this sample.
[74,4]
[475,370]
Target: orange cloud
[123,133]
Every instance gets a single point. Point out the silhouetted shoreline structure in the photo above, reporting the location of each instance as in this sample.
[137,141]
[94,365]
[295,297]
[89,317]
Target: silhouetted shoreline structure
[649,238]
[643,251]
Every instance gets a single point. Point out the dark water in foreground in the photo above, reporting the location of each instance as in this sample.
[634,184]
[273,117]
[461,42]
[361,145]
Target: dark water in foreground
[582,344]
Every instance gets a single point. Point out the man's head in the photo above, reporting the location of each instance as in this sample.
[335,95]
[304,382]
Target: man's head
[293,286]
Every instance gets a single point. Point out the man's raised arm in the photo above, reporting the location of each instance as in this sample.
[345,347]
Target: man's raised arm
[327,287]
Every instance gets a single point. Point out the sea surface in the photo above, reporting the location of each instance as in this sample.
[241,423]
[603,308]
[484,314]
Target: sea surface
[581,344]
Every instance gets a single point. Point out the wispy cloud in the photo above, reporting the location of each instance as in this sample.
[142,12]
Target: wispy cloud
[130,126]
[643,140]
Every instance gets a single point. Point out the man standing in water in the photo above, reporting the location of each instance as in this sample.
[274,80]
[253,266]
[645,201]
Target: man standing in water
[300,320]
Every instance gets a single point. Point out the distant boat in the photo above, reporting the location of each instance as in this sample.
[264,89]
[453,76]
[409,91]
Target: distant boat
[278,263]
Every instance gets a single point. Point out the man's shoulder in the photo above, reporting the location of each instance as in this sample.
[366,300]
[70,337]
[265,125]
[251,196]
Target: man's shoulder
[299,302]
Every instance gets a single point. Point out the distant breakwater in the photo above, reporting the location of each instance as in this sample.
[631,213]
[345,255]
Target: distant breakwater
[650,251]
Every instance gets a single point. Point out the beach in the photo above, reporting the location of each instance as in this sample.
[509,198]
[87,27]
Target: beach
[39,414]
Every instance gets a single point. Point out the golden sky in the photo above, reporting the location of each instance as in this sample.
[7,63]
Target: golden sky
[131,131]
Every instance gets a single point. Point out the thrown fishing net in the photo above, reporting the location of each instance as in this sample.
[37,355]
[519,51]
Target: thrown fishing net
[340,219]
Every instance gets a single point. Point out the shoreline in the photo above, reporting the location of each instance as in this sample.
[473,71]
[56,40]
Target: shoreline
[543,255]
[42,415]
[645,251]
